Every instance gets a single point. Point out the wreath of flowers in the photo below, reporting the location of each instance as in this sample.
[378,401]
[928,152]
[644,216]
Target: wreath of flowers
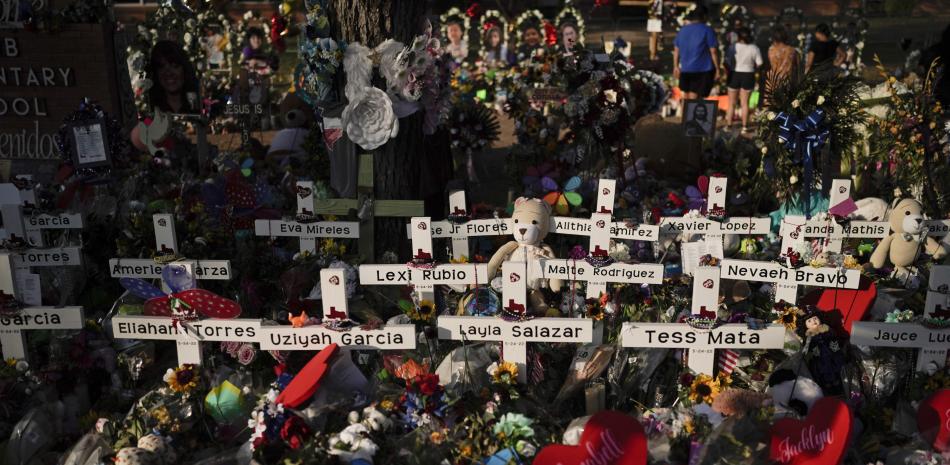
[494,18]
[168,23]
[852,40]
[454,15]
[321,57]
[570,15]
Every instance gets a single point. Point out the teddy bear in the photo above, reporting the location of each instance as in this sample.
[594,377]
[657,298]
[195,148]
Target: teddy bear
[530,222]
[908,236]
[298,117]
[153,135]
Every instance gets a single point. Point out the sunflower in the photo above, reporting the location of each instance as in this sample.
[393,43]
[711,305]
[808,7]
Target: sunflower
[506,373]
[182,379]
[704,389]
[594,310]
[426,309]
[788,317]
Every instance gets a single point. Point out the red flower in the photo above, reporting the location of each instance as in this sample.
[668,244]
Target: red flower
[427,384]
[473,10]
[550,33]
[686,379]
[294,431]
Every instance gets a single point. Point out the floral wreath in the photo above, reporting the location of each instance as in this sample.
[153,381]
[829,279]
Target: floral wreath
[168,23]
[529,19]
[454,15]
[855,40]
[493,18]
[792,12]
[321,58]
[681,17]
[570,15]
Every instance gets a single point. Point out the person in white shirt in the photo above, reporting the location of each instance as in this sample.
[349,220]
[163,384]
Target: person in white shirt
[748,58]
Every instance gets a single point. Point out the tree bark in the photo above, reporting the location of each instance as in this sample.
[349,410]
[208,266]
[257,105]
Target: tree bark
[399,165]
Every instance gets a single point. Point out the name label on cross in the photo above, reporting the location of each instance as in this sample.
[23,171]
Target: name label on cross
[909,335]
[773,272]
[60,221]
[390,337]
[495,329]
[649,273]
[43,318]
[280,228]
[852,230]
[681,335]
[165,328]
[618,229]
[442,274]
[145,268]
[66,256]
[736,225]
[938,227]
[490,227]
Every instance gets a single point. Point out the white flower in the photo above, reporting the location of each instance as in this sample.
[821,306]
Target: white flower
[765,150]
[22,366]
[793,179]
[619,251]
[821,99]
[610,95]
[796,103]
[188,38]
[248,15]
[859,45]
[369,120]
[770,115]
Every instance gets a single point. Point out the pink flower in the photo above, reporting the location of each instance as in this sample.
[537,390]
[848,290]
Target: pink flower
[231,347]
[246,354]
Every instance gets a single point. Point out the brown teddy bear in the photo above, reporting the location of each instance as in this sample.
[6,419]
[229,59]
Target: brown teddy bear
[908,236]
[530,222]
[297,117]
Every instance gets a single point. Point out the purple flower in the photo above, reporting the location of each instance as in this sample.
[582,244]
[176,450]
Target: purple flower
[578,252]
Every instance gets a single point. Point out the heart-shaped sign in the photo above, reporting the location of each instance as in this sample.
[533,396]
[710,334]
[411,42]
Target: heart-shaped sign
[933,420]
[820,439]
[853,303]
[609,438]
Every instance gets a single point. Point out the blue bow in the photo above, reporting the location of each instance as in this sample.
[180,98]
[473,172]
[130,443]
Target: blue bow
[805,138]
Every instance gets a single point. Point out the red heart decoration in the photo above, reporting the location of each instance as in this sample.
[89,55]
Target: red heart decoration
[933,420]
[820,439]
[702,183]
[204,302]
[853,303]
[306,382]
[609,438]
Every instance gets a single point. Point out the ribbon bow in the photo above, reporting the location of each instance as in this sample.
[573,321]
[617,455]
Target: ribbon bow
[805,138]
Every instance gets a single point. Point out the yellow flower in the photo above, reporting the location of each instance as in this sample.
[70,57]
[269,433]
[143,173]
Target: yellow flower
[789,317]
[436,437]
[688,426]
[465,450]
[703,389]
[182,379]
[386,404]
[462,259]
[851,263]
[505,372]
[425,310]
[11,362]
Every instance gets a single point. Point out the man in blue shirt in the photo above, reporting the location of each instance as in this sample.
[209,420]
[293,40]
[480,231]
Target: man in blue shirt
[696,56]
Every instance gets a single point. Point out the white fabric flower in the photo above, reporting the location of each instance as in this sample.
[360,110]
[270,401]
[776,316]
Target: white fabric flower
[821,99]
[369,120]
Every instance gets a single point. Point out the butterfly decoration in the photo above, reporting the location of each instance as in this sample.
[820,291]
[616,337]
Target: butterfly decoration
[534,175]
[562,199]
[185,302]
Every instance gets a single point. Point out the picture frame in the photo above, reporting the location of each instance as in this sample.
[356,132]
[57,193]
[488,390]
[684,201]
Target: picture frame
[699,117]
[90,143]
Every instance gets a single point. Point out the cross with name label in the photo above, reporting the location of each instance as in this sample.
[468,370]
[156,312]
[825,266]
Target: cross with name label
[305,224]
[606,192]
[459,228]
[422,272]
[368,208]
[934,343]
[787,280]
[187,333]
[716,197]
[938,292]
[166,250]
[337,328]
[17,317]
[795,229]
[514,335]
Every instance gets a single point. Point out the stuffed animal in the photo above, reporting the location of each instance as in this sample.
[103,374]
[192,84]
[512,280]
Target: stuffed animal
[908,236]
[792,394]
[297,117]
[153,135]
[530,220]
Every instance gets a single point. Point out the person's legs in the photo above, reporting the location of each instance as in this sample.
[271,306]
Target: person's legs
[733,101]
[744,98]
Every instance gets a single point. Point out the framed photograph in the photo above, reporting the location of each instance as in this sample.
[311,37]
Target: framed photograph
[90,143]
[699,118]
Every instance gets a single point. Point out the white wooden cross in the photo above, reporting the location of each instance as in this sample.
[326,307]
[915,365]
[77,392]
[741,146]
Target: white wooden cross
[933,343]
[28,318]
[795,229]
[306,230]
[459,232]
[422,272]
[316,337]
[514,335]
[166,244]
[187,335]
[711,229]
[606,193]
[683,336]
[787,280]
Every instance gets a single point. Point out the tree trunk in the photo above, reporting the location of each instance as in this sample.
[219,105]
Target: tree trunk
[399,166]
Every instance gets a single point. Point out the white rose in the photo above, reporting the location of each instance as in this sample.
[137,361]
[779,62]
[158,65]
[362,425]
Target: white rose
[369,120]
[796,103]
[248,15]
[793,179]
[611,95]
[765,150]
[821,99]
[188,38]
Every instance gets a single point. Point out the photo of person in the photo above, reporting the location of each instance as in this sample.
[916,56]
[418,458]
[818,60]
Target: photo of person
[530,28]
[174,82]
[699,118]
[214,43]
[495,50]
[255,57]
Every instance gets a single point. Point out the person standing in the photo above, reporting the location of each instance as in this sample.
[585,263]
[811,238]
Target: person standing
[696,56]
[742,80]
[823,50]
[783,58]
